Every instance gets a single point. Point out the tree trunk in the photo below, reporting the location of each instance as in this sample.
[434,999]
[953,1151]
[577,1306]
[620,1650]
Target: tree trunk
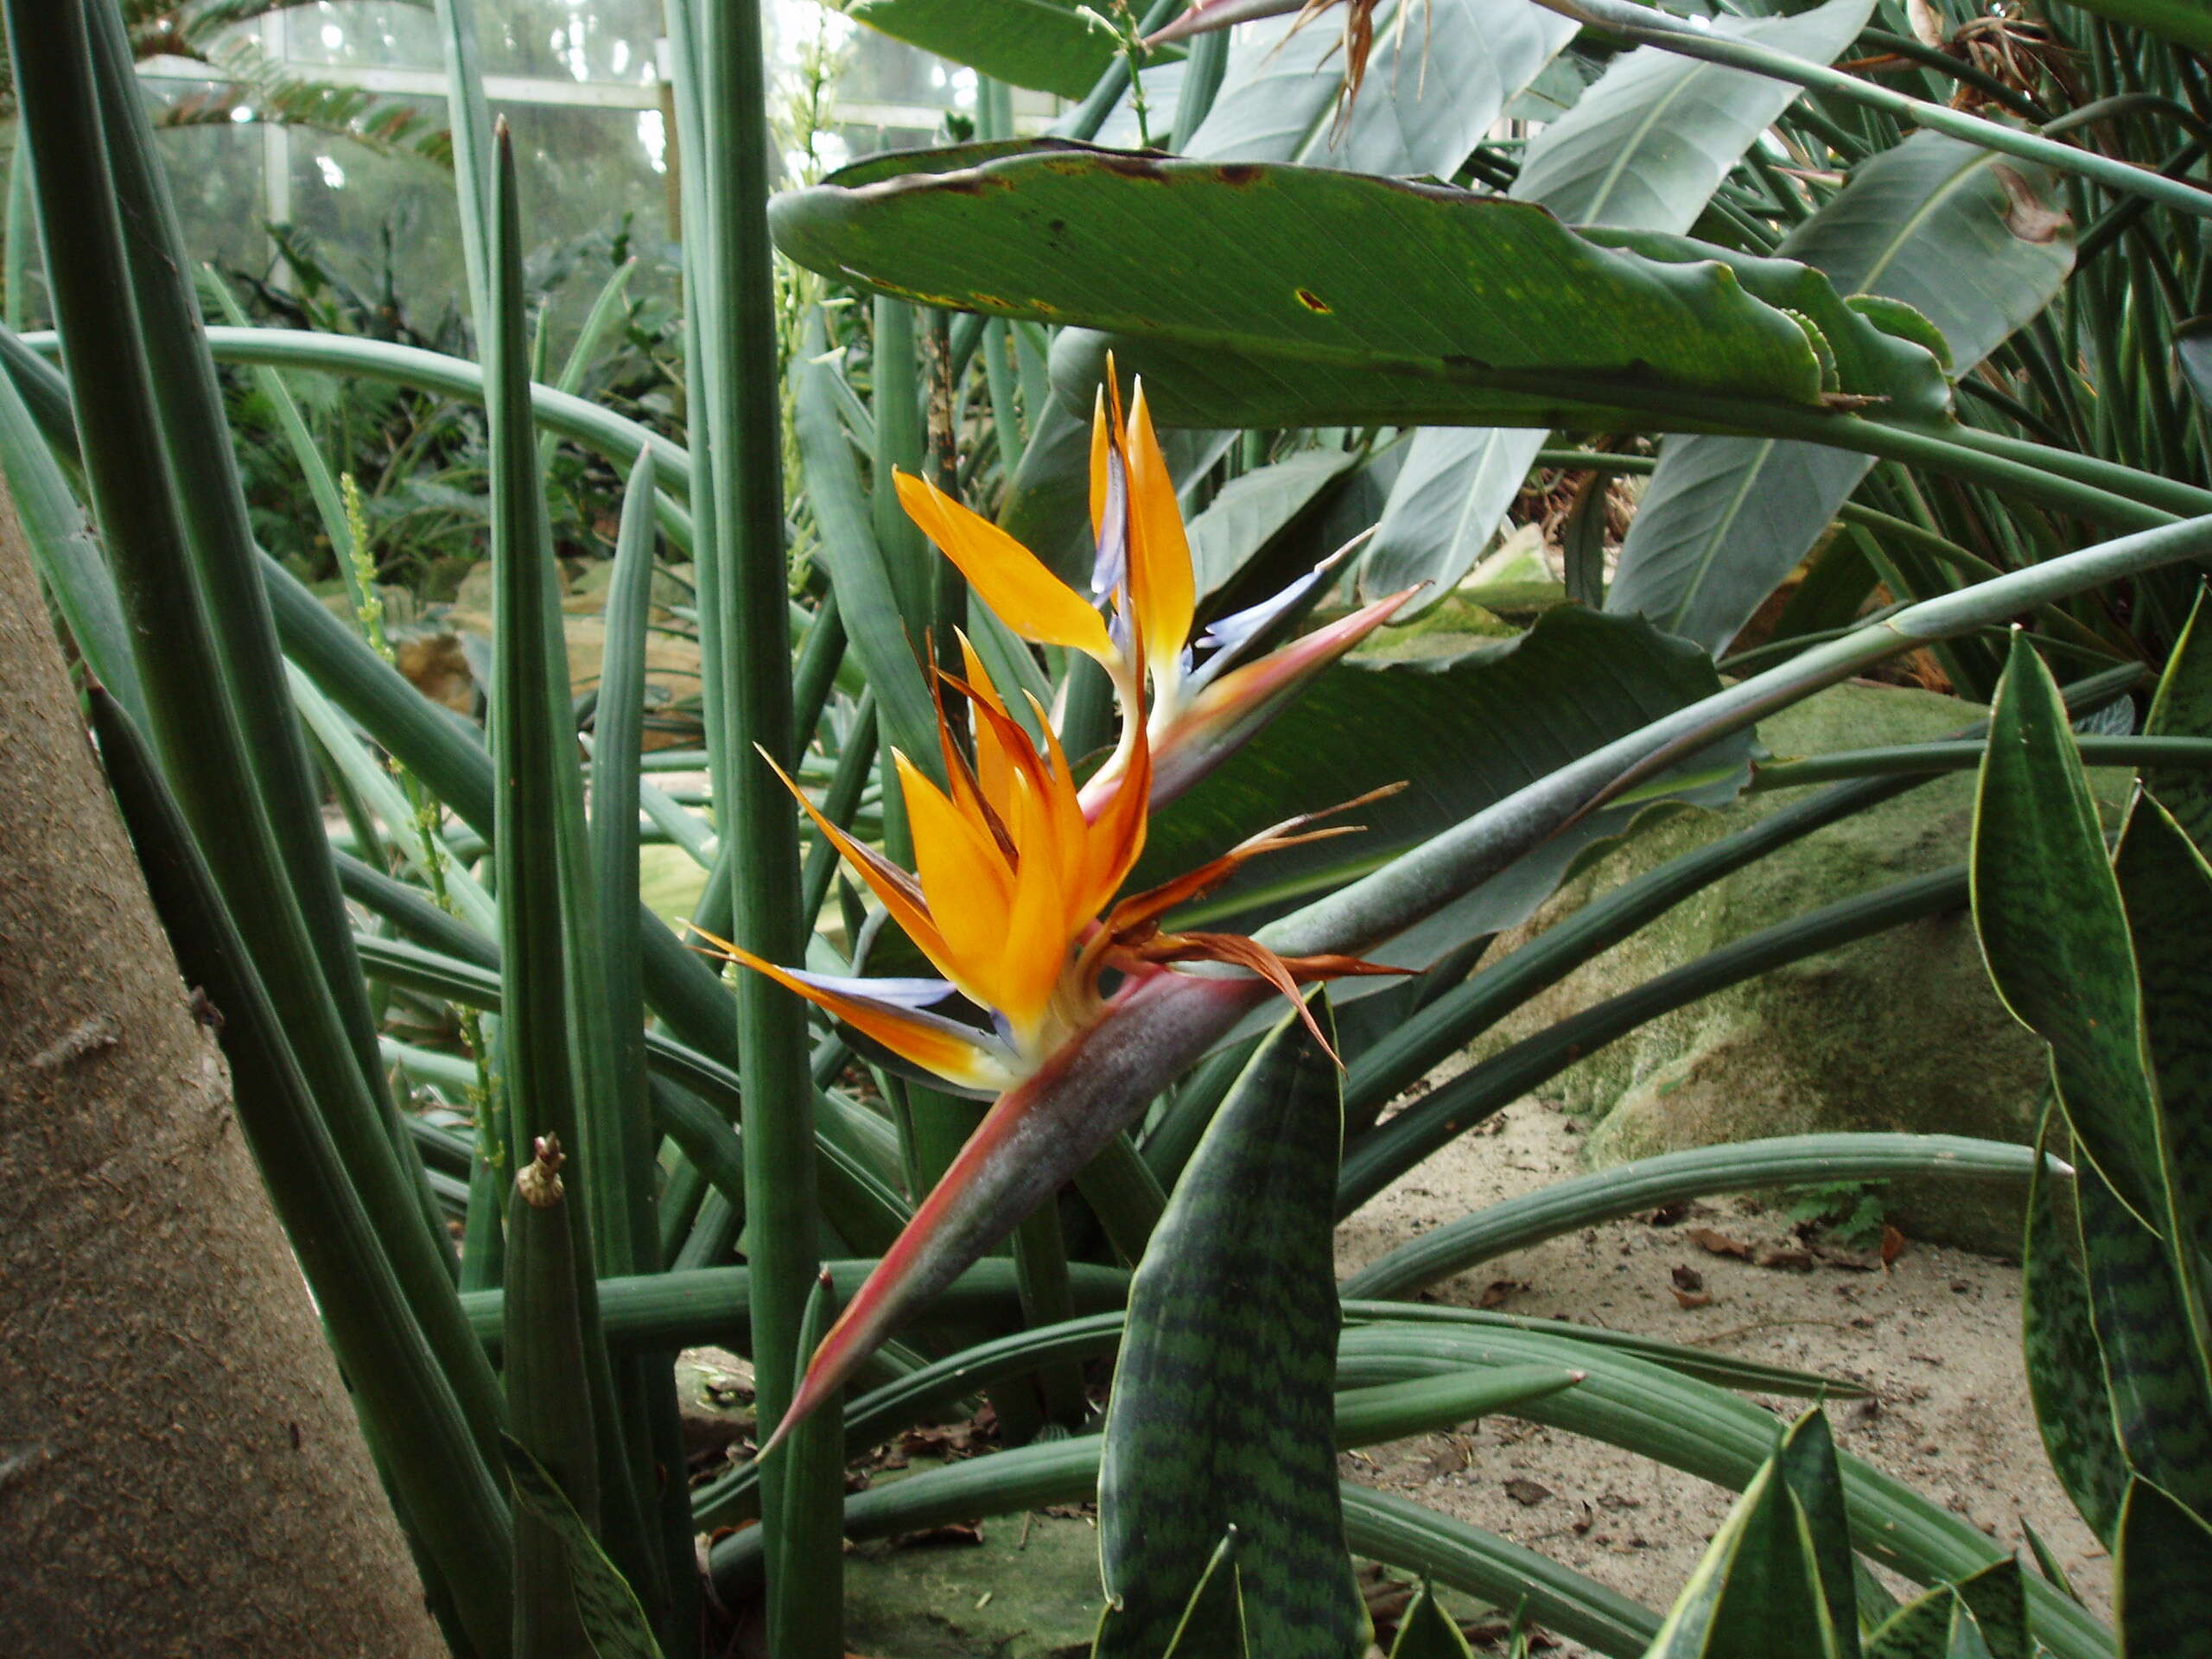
[180,1469]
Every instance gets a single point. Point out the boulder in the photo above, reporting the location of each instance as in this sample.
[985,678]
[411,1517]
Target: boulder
[1899,1031]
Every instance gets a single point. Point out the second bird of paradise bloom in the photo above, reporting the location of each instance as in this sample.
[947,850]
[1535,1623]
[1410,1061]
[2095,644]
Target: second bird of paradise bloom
[1012,898]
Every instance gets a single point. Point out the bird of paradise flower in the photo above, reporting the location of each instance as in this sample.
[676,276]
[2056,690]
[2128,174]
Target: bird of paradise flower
[1012,898]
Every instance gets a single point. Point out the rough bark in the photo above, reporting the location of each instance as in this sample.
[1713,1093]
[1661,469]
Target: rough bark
[180,1470]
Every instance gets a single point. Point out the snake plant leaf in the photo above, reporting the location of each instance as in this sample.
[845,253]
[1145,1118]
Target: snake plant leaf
[2065,1366]
[1495,313]
[2181,707]
[2054,930]
[613,1621]
[1757,1590]
[1998,1598]
[1222,1412]
[1465,729]
[1428,1632]
[2162,1591]
[2167,888]
[1938,1625]
[2162,1408]
[1212,1626]
[1937,223]
[1806,1462]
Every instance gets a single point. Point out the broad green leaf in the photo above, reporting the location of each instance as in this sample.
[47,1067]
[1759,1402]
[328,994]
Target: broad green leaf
[1756,1592]
[1465,730]
[2065,1366]
[1269,324]
[2162,1590]
[1221,1410]
[1430,95]
[1449,500]
[1721,523]
[1428,1632]
[2182,708]
[2153,1369]
[1648,143]
[2167,888]
[1044,44]
[2055,933]
[1255,507]
[1952,230]
[613,1621]
[1806,1462]
[1645,147]
[2178,20]
[1975,242]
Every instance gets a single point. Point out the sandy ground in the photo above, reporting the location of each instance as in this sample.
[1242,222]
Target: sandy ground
[1937,1337]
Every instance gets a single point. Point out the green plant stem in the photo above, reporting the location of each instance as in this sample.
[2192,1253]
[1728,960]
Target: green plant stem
[802,1494]
[1896,760]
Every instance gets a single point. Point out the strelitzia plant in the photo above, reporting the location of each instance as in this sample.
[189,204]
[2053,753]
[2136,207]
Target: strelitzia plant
[1013,897]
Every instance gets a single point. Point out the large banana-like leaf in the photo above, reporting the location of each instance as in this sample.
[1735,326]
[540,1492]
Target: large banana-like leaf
[1492,311]
[1649,143]
[1429,96]
[1046,44]
[1220,1415]
[1958,233]
[1643,147]
[2179,20]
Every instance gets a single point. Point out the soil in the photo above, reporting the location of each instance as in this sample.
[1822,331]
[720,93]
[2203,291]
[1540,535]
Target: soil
[1937,1337]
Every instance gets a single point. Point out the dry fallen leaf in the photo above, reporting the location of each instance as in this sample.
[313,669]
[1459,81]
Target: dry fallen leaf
[1689,1279]
[1719,1243]
[1779,1257]
[1892,1244]
[1693,1298]
[1524,1491]
[1495,1292]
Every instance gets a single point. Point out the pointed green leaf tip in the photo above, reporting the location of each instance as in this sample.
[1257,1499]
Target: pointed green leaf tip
[613,1619]
[1758,1592]
[1222,1411]
[1427,1632]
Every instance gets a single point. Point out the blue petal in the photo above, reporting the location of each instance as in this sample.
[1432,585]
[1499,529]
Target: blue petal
[909,994]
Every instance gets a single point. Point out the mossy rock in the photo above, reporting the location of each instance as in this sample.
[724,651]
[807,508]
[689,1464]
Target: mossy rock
[1899,1031]
[1028,1590]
